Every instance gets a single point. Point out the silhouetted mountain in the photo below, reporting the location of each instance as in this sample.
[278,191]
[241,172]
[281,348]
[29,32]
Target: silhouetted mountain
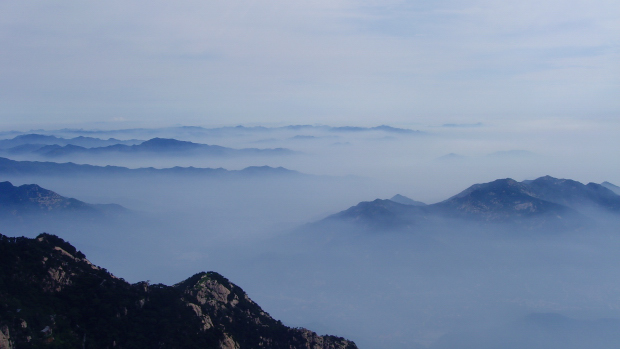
[380,214]
[384,128]
[37,168]
[25,148]
[401,199]
[544,203]
[32,200]
[574,194]
[52,296]
[196,131]
[55,150]
[31,197]
[157,146]
[42,140]
[612,187]
[503,200]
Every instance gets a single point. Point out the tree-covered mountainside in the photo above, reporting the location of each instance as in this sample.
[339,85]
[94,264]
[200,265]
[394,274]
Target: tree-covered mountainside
[51,296]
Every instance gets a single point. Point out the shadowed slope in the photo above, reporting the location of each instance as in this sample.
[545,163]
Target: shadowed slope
[51,295]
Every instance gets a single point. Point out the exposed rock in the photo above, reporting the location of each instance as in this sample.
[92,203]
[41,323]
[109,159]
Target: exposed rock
[59,291]
[206,320]
[5,338]
[228,343]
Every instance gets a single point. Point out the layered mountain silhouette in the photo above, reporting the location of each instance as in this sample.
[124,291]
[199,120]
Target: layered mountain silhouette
[45,168]
[34,141]
[51,296]
[52,147]
[230,130]
[384,128]
[401,199]
[543,203]
[612,187]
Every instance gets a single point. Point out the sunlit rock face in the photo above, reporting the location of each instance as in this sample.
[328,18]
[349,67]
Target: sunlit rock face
[52,294]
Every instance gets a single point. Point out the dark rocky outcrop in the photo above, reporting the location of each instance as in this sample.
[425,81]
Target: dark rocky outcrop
[51,296]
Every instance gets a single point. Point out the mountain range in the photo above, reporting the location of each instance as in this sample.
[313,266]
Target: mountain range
[37,168]
[543,203]
[51,296]
[228,130]
[612,187]
[53,147]
[40,140]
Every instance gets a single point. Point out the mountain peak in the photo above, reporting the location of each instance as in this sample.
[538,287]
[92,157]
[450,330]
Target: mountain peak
[573,193]
[546,203]
[612,187]
[167,143]
[31,199]
[401,199]
[82,305]
[494,186]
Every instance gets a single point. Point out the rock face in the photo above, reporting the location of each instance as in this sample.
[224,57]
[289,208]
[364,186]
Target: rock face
[51,295]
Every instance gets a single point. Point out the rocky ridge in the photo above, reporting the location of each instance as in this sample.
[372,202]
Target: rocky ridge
[52,296]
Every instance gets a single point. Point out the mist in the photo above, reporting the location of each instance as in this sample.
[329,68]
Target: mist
[431,286]
[418,165]
[320,106]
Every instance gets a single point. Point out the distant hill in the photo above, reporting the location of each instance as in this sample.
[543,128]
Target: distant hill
[612,187]
[31,200]
[544,203]
[574,194]
[40,140]
[503,200]
[401,199]
[384,128]
[153,147]
[197,131]
[51,296]
[37,168]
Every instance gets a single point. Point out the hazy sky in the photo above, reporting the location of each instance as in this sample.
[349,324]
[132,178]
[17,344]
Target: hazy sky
[336,62]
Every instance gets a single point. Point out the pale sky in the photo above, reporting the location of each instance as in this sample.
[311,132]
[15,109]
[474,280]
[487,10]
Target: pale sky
[296,62]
